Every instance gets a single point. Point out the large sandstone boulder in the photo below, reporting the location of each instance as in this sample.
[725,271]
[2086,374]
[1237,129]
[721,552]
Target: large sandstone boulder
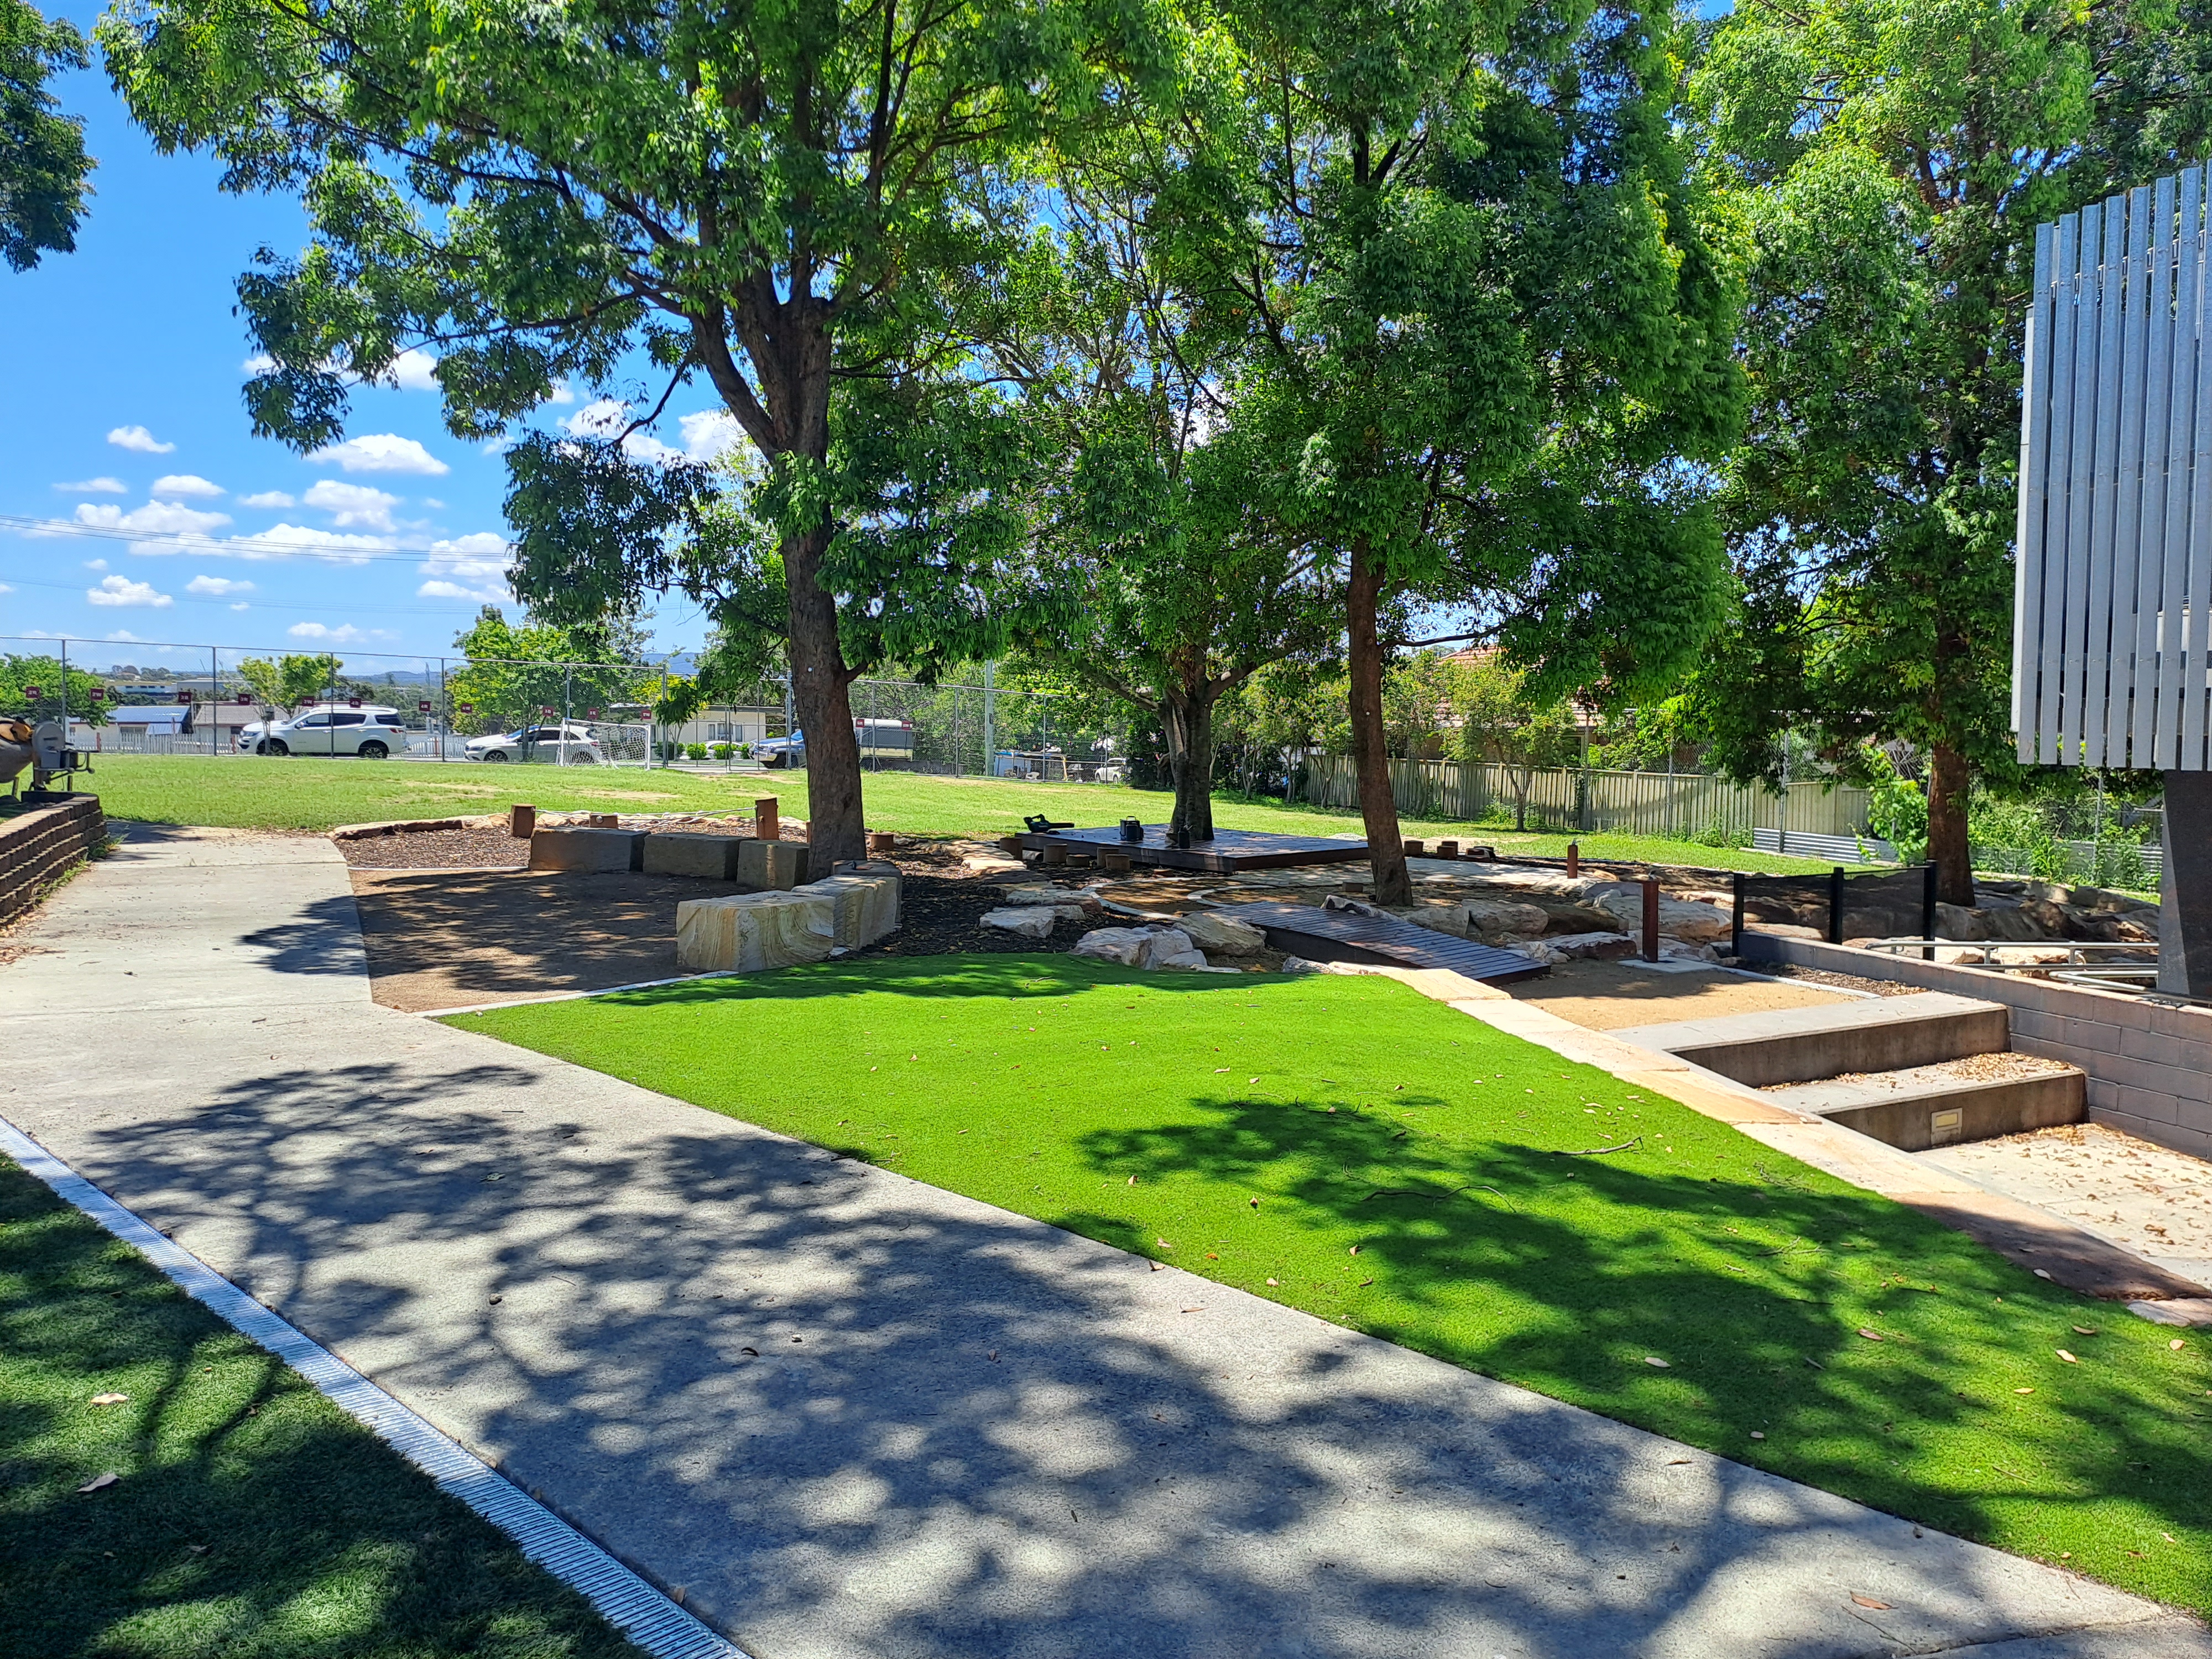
[1494,920]
[708,858]
[587,852]
[1957,921]
[1023,920]
[777,865]
[1220,934]
[749,932]
[866,900]
[1084,899]
[1589,947]
[1117,944]
[1677,918]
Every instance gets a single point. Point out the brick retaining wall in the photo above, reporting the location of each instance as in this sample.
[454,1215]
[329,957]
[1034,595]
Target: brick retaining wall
[39,843]
[2150,1064]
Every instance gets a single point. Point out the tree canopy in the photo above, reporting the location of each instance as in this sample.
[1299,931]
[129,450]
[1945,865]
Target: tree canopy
[44,172]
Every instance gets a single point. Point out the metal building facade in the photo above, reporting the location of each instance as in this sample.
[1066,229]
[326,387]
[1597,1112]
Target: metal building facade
[2112,598]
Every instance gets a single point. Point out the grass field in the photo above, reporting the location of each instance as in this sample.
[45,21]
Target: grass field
[248,793]
[1346,1146]
[250,1517]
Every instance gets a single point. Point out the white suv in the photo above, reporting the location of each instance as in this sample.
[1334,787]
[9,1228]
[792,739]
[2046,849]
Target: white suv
[556,744]
[371,731]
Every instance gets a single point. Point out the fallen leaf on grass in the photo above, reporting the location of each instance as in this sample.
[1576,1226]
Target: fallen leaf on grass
[1654,1359]
[109,1399]
[99,1483]
[1364,1283]
[1871,1336]
[2085,1330]
[1163,1244]
[1132,1180]
[2043,1272]
[1868,1601]
[2023,1390]
[1757,1434]
[1354,1251]
[2068,1358]
[2176,1344]
[1274,1281]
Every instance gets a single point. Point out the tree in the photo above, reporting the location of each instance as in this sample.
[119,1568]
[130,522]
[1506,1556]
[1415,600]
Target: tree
[1153,581]
[1488,320]
[1893,160]
[1500,723]
[19,674]
[43,166]
[513,673]
[288,681]
[788,203]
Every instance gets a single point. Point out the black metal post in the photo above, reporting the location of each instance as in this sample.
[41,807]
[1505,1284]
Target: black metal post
[1928,891]
[1836,906]
[1651,919]
[1735,944]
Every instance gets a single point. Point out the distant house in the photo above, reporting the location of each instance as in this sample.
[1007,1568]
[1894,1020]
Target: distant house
[154,719]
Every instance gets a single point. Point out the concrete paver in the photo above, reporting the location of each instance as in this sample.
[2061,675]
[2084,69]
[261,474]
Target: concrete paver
[852,1415]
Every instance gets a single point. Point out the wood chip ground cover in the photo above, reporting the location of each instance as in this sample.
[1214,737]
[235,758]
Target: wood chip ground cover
[167,1488]
[1346,1148]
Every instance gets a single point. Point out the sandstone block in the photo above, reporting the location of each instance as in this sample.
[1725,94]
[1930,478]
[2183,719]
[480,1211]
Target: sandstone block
[1168,942]
[702,858]
[1677,918]
[1591,947]
[749,932]
[1183,961]
[779,866]
[1493,920]
[1116,944]
[586,851]
[1023,920]
[865,901]
[1222,935]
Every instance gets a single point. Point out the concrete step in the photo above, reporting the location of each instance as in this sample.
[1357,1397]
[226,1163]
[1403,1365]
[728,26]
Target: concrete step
[1799,1045]
[1920,1106]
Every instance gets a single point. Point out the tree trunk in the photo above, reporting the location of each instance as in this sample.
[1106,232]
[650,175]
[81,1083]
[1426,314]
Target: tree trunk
[1378,809]
[836,829]
[1949,783]
[1187,721]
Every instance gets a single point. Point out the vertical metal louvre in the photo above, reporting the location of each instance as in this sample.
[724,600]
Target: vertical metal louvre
[2114,584]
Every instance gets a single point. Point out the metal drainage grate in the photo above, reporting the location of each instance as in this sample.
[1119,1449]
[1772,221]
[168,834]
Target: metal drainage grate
[624,1599]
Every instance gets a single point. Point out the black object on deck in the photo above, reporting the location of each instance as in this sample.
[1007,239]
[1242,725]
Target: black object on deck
[1307,930]
[1229,852]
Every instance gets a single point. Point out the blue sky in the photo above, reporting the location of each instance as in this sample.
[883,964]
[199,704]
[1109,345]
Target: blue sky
[124,363]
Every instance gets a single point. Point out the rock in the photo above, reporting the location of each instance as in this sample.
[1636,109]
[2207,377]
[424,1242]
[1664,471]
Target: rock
[749,932]
[1301,965]
[1187,961]
[2010,921]
[580,852]
[1677,918]
[1566,916]
[703,857]
[1357,907]
[1682,950]
[1024,921]
[1785,930]
[865,901]
[1537,950]
[777,865]
[1222,935]
[1046,893]
[1492,921]
[1161,944]
[1957,921]
[1118,944]
[1589,947]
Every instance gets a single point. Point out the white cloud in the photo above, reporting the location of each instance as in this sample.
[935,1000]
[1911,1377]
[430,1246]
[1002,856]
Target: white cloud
[183,484]
[433,504]
[121,591]
[138,438]
[268,498]
[601,418]
[563,393]
[498,446]
[351,505]
[383,452]
[154,518]
[468,568]
[100,486]
[259,364]
[217,587]
[411,371]
[4,588]
[710,433]
[241,605]
[344,634]
[124,636]
[284,539]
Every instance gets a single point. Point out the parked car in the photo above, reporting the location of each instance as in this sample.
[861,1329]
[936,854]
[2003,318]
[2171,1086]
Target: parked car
[554,745]
[371,732]
[884,742]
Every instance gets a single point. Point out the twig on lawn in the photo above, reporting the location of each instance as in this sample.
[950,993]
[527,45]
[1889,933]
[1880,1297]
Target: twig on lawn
[1599,1151]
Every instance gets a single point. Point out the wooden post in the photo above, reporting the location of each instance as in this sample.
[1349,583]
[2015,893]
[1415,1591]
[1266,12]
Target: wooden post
[521,821]
[767,818]
[1650,919]
[1574,858]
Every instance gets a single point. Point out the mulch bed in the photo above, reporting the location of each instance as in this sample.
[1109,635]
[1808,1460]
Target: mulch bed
[438,850]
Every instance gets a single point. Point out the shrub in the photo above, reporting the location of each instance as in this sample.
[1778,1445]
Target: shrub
[722,751]
[696,751]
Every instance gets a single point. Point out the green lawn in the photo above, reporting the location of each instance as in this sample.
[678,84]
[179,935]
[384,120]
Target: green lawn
[244,793]
[1347,1147]
[253,1519]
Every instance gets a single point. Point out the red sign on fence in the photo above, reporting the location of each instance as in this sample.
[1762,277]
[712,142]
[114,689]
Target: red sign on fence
[353,702]
[423,706]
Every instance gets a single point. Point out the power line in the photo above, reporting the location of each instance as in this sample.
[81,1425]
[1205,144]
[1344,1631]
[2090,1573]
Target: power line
[233,546]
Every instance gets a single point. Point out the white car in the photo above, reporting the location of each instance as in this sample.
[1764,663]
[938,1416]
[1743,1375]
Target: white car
[370,732]
[555,744]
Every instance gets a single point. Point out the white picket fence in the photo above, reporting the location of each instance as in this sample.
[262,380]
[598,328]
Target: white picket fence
[1676,805]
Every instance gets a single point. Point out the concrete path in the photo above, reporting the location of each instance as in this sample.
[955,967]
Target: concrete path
[850,1415]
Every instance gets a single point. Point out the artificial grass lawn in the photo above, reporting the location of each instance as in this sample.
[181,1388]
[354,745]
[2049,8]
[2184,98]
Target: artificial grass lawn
[250,793]
[1261,1130]
[253,1519]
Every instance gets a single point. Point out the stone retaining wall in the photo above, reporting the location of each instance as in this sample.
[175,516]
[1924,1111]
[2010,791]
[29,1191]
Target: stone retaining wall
[2150,1064]
[40,843]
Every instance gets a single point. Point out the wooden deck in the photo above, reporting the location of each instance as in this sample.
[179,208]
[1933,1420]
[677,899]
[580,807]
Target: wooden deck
[1230,851]
[1307,930]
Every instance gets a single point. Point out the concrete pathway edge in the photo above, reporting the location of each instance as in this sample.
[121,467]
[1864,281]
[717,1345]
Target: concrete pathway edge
[623,1599]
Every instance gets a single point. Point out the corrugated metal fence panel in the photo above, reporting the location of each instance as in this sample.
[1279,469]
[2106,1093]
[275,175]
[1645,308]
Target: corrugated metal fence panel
[2112,596]
[1675,805]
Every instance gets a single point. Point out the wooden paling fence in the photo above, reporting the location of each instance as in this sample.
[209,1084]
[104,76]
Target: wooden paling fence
[1667,803]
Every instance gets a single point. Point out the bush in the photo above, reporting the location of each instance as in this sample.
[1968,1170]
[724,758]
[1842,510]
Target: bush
[696,751]
[722,751]
[744,751]
[1896,810]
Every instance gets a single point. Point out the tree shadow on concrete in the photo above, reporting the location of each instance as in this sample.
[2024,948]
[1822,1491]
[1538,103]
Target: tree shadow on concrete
[848,1414]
